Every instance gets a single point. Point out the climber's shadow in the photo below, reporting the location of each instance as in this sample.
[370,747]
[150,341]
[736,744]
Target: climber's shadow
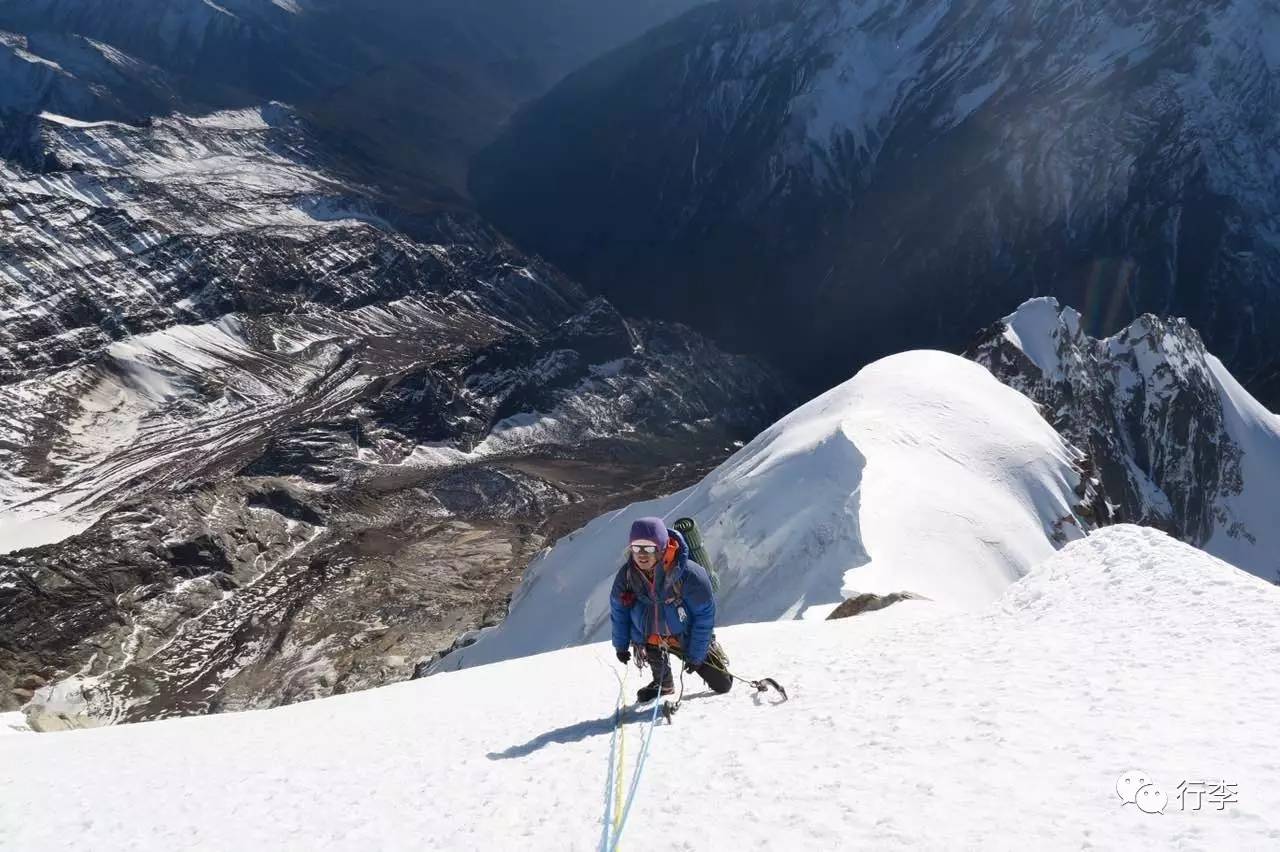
[579,731]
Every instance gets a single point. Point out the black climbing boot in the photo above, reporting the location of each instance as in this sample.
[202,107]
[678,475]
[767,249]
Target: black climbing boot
[650,692]
[660,665]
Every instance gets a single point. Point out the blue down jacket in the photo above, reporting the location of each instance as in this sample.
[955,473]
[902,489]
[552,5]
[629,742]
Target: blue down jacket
[688,609]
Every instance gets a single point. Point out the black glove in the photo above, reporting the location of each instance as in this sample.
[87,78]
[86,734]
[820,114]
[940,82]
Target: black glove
[624,656]
[690,666]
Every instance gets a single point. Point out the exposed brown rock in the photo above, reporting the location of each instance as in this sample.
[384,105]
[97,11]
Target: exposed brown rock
[868,602]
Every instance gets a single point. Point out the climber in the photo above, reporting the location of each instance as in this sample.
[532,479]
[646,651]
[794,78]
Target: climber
[658,568]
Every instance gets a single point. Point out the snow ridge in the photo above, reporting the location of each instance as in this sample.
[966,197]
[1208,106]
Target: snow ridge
[922,473]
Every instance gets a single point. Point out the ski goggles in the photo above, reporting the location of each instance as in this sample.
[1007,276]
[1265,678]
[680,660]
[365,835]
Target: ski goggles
[644,549]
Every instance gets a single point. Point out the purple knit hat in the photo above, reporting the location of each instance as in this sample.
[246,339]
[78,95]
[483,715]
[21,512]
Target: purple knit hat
[650,529]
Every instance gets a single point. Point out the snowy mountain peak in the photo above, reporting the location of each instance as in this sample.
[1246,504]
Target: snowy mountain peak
[1176,441]
[1042,330]
[1157,349]
[922,474]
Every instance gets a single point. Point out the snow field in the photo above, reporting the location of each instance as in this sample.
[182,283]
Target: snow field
[912,727]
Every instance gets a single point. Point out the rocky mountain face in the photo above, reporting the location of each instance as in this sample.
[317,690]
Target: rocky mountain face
[265,436]
[1173,439]
[409,89]
[281,418]
[874,175]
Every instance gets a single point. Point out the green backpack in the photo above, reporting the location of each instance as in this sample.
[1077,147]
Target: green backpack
[688,528]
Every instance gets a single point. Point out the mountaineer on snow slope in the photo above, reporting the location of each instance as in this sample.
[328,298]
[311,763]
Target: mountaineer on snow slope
[662,604]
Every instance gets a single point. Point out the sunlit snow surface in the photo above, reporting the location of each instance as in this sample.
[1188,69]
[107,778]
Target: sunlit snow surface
[912,727]
[1256,508]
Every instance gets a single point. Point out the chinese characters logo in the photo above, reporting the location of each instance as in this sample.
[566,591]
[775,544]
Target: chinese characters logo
[1136,787]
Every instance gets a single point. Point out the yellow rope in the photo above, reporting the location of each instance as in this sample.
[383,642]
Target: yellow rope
[622,751]
[622,748]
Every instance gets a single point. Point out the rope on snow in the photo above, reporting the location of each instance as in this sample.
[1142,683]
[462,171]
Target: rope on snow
[620,820]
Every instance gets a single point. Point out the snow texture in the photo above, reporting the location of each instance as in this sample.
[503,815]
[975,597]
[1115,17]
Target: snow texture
[1036,328]
[922,473]
[13,723]
[911,727]
[1256,509]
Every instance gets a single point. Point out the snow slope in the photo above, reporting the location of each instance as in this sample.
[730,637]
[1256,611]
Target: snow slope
[13,723]
[922,473]
[1253,536]
[912,727]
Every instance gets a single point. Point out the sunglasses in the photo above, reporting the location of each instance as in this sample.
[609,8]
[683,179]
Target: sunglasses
[646,549]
